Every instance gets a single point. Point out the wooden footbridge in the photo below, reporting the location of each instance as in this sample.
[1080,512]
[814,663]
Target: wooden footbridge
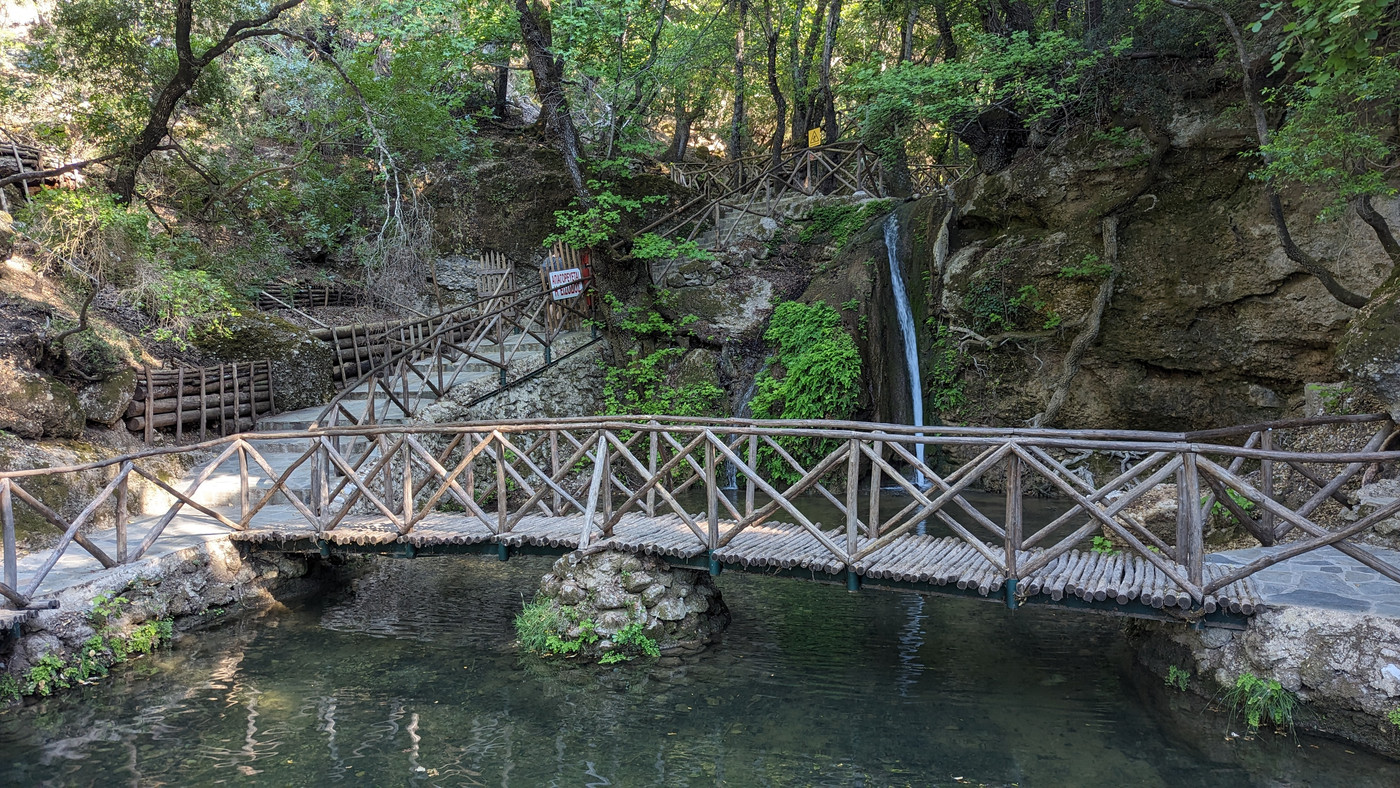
[654,485]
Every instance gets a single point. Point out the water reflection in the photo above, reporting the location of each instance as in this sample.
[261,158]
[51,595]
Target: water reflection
[412,679]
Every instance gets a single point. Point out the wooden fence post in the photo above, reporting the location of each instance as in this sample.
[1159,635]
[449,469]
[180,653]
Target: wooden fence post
[7,513]
[1013,525]
[852,501]
[179,404]
[120,518]
[711,492]
[554,469]
[1266,479]
[652,452]
[872,523]
[749,486]
[1189,542]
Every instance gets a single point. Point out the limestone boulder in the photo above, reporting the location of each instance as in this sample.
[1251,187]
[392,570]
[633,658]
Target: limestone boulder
[301,363]
[105,401]
[35,405]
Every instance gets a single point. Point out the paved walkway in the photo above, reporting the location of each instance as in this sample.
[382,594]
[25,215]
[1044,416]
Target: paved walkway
[1324,579]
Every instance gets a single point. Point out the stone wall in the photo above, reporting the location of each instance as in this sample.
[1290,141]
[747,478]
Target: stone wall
[189,585]
[573,387]
[1345,667]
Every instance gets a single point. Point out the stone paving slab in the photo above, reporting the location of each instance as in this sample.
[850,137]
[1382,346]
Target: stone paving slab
[189,529]
[1324,579]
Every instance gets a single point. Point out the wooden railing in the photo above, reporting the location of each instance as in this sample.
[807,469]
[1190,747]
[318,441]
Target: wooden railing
[422,365]
[598,471]
[755,186]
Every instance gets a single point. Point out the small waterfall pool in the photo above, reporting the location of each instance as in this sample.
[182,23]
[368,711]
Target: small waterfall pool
[905,314]
[413,679]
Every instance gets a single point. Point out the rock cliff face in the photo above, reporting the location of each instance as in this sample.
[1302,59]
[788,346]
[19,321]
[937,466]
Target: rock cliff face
[1345,667]
[1208,323]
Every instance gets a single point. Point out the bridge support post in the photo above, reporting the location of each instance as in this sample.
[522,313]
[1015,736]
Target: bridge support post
[325,548]
[1010,593]
[503,552]
[852,580]
[715,566]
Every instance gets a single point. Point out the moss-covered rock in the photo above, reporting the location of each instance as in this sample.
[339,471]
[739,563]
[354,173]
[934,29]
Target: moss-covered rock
[105,401]
[1370,350]
[301,364]
[34,405]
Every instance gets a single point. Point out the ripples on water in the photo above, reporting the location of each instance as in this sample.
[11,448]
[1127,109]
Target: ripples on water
[413,679]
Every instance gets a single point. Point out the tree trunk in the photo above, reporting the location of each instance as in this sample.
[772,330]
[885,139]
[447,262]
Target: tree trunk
[833,21]
[502,90]
[774,88]
[187,71]
[548,71]
[805,100]
[736,134]
[906,46]
[948,46]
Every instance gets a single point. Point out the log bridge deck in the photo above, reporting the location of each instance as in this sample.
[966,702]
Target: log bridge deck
[648,484]
[1116,582]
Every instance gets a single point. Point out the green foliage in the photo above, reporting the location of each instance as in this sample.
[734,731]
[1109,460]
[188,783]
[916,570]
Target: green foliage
[645,385]
[1035,75]
[944,375]
[840,222]
[850,305]
[534,625]
[630,642]
[816,374]
[143,639]
[1088,267]
[584,226]
[104,608]
[1393,716]
[995,308]
[1219,510]
[1178,678]
[1261,700]
[9,689]
[542,630]
[1341,107]
[95,656]
[1104,545]
[46,676]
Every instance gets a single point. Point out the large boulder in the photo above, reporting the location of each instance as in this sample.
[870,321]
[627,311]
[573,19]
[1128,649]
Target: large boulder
[105,401]
[301,363]
[1370,351]
[34,405]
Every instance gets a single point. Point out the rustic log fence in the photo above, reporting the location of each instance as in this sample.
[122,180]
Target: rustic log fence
[230,396]
[652,484]
[418,367]
[755,186]
[210,395]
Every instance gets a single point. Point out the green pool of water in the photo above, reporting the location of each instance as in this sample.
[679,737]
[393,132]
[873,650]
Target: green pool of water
[413,679]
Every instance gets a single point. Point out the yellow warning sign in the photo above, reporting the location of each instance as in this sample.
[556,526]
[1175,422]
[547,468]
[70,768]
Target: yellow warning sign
[814,138]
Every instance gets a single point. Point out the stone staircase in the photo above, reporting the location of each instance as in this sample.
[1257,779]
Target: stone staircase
[221,491]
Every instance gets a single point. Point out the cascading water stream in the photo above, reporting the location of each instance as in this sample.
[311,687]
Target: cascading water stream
[906,329]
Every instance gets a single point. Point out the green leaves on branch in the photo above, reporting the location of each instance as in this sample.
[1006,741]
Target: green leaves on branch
[1029,76]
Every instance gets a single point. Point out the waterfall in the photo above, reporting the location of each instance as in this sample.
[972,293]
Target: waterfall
[731,473]
[906,329]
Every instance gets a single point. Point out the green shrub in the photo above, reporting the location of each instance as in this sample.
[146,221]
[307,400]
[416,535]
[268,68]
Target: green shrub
[1178,678]
[814,374]
[1261,700]
[630,642]
[840,222]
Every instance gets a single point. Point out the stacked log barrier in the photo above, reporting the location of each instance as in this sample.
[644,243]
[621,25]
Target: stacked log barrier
[227,397]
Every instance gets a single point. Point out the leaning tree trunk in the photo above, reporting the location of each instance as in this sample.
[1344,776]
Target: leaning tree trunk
[548,71]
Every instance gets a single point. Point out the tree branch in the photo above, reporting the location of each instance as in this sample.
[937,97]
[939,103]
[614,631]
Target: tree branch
[1261,131]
